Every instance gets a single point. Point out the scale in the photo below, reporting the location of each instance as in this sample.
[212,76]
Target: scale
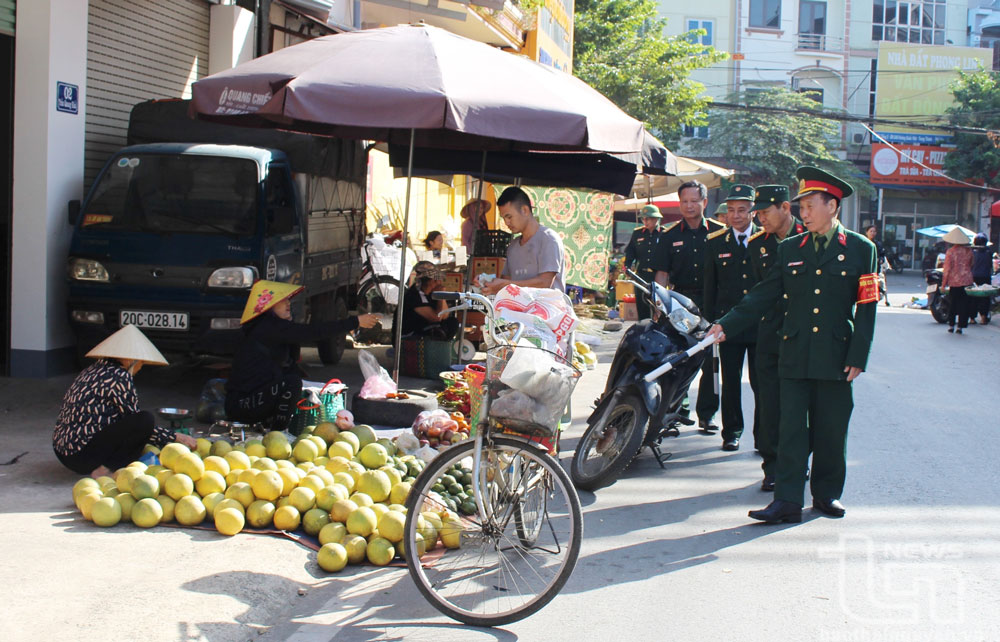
[176,417]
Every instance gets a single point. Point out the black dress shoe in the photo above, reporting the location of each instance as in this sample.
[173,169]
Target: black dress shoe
[778,511]
[707,426]
[831,507]
[731,444]
[768,484]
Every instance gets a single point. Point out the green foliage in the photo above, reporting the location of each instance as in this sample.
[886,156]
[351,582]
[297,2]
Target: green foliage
[772,145]
[977,104]
[620,50]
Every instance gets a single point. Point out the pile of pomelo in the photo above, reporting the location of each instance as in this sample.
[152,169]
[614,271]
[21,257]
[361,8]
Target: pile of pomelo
[346,488]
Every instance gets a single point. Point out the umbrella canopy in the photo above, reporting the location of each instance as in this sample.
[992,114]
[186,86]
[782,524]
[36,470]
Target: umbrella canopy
[939,231]
[688,169]
[635,204]
[380,84]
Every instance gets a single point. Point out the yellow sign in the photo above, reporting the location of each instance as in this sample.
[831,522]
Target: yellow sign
[915,80]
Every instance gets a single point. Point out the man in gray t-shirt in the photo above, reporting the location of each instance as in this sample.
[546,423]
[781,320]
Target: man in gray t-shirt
[535,259]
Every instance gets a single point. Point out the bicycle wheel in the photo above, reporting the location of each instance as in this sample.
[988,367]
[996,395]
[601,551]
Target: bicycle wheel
[513,563]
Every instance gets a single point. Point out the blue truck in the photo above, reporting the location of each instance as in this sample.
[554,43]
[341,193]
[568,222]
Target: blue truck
[177,227]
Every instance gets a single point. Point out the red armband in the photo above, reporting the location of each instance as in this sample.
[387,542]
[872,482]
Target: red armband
[868,288]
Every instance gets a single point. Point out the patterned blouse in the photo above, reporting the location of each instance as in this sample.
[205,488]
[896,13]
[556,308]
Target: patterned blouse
[99,396]
[957,267]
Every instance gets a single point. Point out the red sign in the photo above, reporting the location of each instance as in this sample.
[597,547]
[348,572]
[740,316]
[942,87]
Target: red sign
[910,166]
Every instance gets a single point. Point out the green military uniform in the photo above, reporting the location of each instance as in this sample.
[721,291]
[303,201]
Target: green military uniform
[728,277]
[762,249]
[640,253]
[830,289]
[681,254]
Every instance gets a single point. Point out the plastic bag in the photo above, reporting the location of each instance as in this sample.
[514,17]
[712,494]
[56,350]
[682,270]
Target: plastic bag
[525,367]
[551,306]
[378,383]
[408,443]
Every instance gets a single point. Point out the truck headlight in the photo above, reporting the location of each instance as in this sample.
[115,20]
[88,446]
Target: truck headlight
[232,277]
[88,316]
[225,323]
[87,270]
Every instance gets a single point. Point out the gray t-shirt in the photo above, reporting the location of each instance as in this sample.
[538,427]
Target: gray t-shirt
[542,253]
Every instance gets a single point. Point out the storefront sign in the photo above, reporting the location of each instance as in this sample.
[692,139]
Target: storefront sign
[910,166]
[67,98]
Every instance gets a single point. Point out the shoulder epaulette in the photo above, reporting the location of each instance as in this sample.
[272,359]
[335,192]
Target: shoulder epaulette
[667,228]
[760,233]
[719,232]
[712,222]
[639,228]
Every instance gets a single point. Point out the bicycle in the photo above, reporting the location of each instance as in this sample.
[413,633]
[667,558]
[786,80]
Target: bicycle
[519,546]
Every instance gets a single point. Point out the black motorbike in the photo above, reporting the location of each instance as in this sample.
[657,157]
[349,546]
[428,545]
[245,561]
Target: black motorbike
[655,363]
[937,300]
[895,263]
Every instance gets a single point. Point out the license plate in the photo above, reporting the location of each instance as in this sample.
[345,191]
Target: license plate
[155,320]
[931,289]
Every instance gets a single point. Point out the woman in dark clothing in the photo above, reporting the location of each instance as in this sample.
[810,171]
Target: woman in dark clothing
[266,381]
[100,427]
[982,272]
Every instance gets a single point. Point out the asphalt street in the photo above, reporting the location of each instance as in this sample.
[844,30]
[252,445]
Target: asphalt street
[667,554]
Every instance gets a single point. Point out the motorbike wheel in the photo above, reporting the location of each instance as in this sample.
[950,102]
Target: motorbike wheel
[939,307]
[897,267]
[606,450]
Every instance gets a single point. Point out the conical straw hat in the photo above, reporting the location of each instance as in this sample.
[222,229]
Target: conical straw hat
[956,237]
[264,295]
[128,343]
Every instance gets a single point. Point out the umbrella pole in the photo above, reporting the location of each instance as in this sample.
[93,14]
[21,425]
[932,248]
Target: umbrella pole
[397,342]
[468,268]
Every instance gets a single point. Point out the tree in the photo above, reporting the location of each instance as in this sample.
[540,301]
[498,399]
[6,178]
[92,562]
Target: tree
[620,50]
[770,146]
[977,104]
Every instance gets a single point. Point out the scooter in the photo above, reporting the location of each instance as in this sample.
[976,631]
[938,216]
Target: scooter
[937,300]
[655,363]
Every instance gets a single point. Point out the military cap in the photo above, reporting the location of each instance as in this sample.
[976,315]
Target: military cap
[650,211]
[768,195]
[721,209]
[814,179]
[740,193]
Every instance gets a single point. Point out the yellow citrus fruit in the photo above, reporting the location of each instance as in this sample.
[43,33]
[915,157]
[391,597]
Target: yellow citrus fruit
[351,439]
[211,501]
[427,530]
[221,447]
[218,464]
[338,464]
[355,470]
[178,485]
[326,497]
[241,492]
[124,477]
[144,486]
[191,465]
[388,445]
[380,551]
[260,514]
[342,509]
[267,485]
[284,463]
[356,547]
[264,463]
[362,521]
[313,483]
[279,449]
[305,450]
[86,501]
[332,532]
[283,501]
[451,532]
[399,492]
[345,479]
[327,431]
[126,501]
[211,482]
[289,480]
[85,484]
[170,452]
[314,519]
[163,475]
[362,499]
[204,447]
[365,434]
[321,444]
[399,508]
[302,498]
[380,510]
[287,518]
[395,477]
[237,460]
[138,465]
[167,504]
[255,449]
[373,455]
[229,521]
[147,513]
[190,511]
[274,435]
[106,512]
[231,478]
[391,526]
[340,449]
[247,476]
[375,483]
[332,557]
[323,474]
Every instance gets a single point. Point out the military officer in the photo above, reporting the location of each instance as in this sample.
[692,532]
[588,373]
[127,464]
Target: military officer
[720,213]
[680,263]
[827,279]
[641,250]
[775,214]
[728,277]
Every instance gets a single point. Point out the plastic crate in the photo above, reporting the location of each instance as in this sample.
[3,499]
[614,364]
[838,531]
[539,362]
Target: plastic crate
[491,243]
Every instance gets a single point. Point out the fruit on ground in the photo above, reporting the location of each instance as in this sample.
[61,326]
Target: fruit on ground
[211,501]
[391,525]
[375,484]
[267,485]
[356,547]
[190,511]
[305,450]
[211,482]
[287,518]
[302,498]
[365,433]
[106,512]
[147,513]
[227,503]
[362,521]
[260,514]
[314,519]
[451,532]
[332,532]
[178,485]
[126,501]
[332,557]
[87,500]
[191,465]
[399,492]
[380,551]
[218,464]
[229,521]
[170,452]
[144,486]
[342,509]
[241,492]
[373,455]
[167,504]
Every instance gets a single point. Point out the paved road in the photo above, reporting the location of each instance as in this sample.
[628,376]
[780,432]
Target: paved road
[667,554]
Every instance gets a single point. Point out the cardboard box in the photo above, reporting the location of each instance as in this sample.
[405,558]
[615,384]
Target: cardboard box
[622,288]
[453,282]
[628,311]
[487,265]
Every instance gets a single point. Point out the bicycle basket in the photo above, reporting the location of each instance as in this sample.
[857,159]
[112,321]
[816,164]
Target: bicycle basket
[528,389]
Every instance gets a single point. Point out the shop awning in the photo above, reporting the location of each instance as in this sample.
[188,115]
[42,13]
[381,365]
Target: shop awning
[995,210]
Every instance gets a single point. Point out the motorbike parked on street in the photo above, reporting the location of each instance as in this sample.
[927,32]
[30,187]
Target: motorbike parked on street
[649,377]
[937,298]
[895,263]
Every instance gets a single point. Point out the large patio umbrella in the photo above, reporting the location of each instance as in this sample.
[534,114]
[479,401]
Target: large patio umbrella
[939,231]
[419,86]
[687,169]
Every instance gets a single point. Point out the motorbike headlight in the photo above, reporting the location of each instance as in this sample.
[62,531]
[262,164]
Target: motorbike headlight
[87,270]
[232,277]
[683,320]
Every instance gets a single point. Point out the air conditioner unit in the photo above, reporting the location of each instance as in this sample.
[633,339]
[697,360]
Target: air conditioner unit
[859,138]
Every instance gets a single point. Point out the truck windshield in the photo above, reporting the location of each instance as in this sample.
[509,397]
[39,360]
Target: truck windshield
[176,194]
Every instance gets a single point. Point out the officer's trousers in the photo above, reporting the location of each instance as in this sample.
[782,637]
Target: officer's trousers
[731,358]
[819,410]
[765,436]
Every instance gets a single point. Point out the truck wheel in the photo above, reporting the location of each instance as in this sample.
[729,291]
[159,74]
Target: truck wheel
[331,350]
[396,413]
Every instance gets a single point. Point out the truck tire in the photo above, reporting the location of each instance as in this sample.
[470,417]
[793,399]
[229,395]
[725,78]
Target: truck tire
[396,413]
[331,350]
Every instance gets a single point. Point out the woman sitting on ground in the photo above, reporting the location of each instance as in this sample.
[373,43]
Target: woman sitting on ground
[100,427]
[266,381]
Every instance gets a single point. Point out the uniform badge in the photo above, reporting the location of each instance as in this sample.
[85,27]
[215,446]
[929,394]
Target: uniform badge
[725,256]
[763,251]
[678,243]
[841,257]
[794,263]
[868,288]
